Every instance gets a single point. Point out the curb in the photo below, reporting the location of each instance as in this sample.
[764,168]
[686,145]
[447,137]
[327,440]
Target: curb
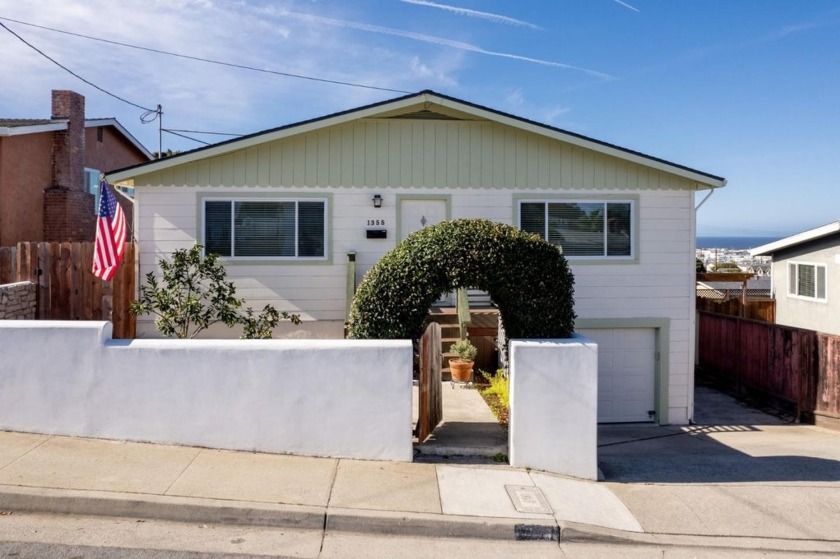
[441,526]
[155,507]
[245,513]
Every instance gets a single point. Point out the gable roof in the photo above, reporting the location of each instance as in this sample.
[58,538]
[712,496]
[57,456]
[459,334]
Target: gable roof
[446,107]
[21,126]
[92,122]
[798,239]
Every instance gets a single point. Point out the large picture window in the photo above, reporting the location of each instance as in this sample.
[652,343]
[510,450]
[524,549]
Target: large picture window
[266,228]
[806,280]
[582,228]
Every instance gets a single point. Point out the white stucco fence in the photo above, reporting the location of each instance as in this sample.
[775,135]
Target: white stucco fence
[554,406]
[338,398]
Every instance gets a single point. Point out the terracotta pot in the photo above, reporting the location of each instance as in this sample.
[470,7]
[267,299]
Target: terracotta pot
[461,370]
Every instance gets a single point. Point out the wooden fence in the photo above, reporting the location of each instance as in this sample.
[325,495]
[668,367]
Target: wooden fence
[755,309]
[801,367]
[430,404]
[67,290]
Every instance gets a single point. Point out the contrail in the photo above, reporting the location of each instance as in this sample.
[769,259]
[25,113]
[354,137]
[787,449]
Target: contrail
[626,5]
[432,40]
[497,18]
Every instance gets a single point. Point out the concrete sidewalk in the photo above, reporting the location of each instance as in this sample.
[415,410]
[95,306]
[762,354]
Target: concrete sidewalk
[766,484]
[96,477]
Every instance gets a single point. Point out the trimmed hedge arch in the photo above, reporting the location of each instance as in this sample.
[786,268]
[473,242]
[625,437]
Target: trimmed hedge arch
[528,279]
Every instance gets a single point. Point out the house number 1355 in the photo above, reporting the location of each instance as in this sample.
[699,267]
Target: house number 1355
[377,222]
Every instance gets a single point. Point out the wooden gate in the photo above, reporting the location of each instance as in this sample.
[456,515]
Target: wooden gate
[66,287]
[430,408]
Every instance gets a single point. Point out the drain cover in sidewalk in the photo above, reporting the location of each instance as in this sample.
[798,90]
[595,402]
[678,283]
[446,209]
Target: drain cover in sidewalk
[527,498]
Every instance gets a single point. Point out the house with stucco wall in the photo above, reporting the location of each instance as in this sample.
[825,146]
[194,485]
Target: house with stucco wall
[806,278]
[289,208]
[49,171]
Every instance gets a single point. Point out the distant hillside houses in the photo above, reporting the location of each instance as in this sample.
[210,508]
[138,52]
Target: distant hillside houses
[758,265]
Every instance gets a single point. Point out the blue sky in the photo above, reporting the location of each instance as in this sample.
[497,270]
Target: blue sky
[745,89]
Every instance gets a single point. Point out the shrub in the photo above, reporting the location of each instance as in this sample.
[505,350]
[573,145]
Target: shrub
[527,278]
[499,386]
[464,350]
[193,294]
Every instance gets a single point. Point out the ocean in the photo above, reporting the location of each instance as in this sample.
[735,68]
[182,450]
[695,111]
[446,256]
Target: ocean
[736,243]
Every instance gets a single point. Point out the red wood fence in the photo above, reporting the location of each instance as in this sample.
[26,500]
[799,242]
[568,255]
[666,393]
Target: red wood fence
[757,309]
[798,366]
[430,405]
[66,288]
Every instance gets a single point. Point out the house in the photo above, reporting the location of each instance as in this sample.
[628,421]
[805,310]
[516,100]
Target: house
[290,207]
[49,171]
[806,278]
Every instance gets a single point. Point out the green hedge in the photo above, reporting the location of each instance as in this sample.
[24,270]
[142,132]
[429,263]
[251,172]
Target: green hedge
[527,278]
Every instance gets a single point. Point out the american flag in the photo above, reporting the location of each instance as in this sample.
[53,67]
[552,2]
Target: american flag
[110,234]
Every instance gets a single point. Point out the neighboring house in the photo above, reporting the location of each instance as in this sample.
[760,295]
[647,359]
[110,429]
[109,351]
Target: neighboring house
[806,278]
[760,270]
[49,171]
[757,288]
[286,208]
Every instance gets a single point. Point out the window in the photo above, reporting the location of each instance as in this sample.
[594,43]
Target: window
[92,186]
[582,229]
[806,281]
[266,228]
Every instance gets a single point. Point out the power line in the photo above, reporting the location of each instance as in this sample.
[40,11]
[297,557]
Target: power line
[69,71]
[206,60]
[201,132]
[185,136]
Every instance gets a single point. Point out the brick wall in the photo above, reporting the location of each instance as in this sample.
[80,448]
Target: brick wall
[17,301]
[68,209]
[68,157]
[68,216]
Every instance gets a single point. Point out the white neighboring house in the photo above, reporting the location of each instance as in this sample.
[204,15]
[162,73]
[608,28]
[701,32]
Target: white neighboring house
[287,206]
[806,278]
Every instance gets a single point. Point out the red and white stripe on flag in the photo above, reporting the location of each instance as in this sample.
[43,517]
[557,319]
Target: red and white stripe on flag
[110,234]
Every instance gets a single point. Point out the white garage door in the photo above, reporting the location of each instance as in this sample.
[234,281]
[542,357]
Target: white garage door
[626,366]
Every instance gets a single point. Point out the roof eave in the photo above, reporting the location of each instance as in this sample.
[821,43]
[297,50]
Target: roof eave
[798,239]
[34,129]
[702,180]
[92,122]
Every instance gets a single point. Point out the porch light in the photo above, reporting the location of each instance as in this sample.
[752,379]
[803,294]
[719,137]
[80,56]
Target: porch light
[377,201]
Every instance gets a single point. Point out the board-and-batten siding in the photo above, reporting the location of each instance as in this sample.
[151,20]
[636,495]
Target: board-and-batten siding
[383,153]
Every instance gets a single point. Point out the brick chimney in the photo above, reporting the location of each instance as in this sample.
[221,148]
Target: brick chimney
[68,208]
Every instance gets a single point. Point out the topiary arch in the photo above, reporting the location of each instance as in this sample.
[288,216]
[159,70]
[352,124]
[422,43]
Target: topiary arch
[527,278]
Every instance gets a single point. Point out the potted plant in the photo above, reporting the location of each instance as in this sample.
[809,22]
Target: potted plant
[461,367]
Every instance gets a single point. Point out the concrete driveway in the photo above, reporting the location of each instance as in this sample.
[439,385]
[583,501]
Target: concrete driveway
[738,472]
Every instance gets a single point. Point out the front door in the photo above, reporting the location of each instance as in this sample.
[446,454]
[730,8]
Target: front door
[415,214]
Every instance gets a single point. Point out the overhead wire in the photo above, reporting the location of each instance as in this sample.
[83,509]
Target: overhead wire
[206,60]
[71,72]
[201,132]
[185,136]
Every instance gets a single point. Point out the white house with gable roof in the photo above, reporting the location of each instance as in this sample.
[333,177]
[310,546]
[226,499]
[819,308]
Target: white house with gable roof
[287,207]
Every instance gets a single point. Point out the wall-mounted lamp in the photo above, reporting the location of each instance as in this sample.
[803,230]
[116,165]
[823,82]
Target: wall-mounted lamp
[377,201]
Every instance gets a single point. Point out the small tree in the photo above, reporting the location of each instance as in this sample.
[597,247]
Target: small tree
[193,294]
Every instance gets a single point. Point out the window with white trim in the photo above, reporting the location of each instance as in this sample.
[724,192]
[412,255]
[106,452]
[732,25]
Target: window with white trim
[593,229]
[289,229]
[806,280]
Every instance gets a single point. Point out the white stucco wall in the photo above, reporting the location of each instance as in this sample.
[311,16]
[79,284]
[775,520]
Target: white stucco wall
[554,406]
[336,398]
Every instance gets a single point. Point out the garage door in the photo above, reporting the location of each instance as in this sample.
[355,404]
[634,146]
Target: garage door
[626,368]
